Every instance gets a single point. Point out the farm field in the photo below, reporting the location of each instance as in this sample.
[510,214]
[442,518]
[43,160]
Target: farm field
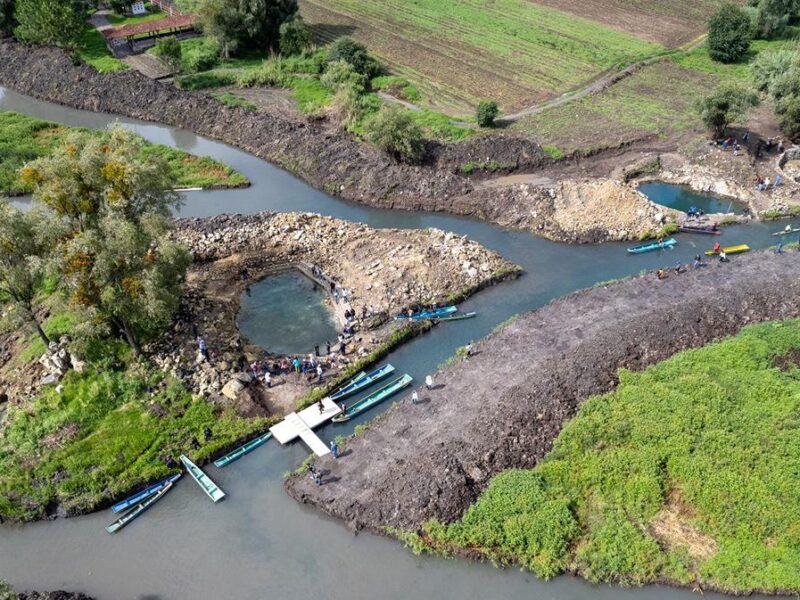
[515,51]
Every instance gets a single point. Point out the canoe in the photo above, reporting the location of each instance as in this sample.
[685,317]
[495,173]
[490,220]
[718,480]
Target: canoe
[730,250]
[129,516]
[785,232]
[468,315]
[428,314]
[145,493]
[242,450]
[374,399]
[357,377]
[204,481]
[363,383]
[706,230]
[649,247]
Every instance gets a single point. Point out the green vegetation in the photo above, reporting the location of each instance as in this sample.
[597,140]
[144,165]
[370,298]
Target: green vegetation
[295,37]
[235,101]
[728,103]
[687,472]
[239,26]
[169,51]
[50,22]
[118,20]
[398,87]
[92,50]
[486,113]
[730,31]
[24,138]
[395,132]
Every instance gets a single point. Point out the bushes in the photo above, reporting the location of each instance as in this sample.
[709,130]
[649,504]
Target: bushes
[198,55]
[356,54]
[725,105]
[295,37]
[395,132]
[486,113]
[168,50]
[778,74]
[730,31]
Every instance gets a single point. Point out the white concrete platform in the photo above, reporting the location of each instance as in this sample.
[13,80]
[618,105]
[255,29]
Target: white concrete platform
[300,424]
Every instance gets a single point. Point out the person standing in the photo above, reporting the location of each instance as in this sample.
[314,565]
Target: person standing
[319,373]
[429,382]
[328,348]
[334,449]
[316,350]
[414,397]
[268,379]
[201,345]
[779,248]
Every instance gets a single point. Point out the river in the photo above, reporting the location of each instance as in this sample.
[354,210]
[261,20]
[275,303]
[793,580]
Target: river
[259,543]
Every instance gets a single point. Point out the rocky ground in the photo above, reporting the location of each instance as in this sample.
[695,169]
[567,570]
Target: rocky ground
[382,272]
[503,407]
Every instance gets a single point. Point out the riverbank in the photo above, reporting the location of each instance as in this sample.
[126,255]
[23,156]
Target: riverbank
[23,139]
[503,407]
[334,161]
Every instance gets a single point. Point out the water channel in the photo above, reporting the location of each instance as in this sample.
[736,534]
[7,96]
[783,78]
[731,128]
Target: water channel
[259,543]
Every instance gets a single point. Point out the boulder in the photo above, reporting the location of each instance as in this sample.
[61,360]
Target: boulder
[232,389]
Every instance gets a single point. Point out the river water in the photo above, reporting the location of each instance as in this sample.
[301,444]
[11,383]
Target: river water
[259,543]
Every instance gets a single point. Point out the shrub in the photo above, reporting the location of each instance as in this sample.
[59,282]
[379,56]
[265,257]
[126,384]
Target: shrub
[356,54]
[730,32]
[394,131]
[347,107]
[200,56]
[487,112]
[295,37]
[168,50]
[342,73]
[726,104]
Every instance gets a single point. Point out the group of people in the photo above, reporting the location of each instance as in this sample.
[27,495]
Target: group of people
[763,183]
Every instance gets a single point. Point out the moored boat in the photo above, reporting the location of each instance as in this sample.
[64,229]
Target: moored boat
[651,246]
[137,510]
[145,493]
[708,230]
[468,315]
[428,314]
[211,489]
[362,383]
[789,231]
[374,399]
[730,250]
[242,450]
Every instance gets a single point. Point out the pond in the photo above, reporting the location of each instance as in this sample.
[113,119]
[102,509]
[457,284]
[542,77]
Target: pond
[286,314]
[683,198]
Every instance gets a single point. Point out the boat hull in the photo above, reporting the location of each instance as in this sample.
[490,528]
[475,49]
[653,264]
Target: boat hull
[138,510]
[730,250]
[242,450]
[428,314]
[701,230]
[144,494]
[374,399]
[652,247]
[363,383]
[468,315]
[211,489]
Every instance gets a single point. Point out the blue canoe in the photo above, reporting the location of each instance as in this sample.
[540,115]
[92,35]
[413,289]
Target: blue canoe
[652,246]
[242,450]
[145,493]
[428,314]
[374,399]
[132,514]
[363,383]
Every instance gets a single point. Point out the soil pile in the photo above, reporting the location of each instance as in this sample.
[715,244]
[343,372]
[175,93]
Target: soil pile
[503,407]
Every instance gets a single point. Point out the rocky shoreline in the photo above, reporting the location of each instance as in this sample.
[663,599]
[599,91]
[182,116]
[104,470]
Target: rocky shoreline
[503,407]
[334,161]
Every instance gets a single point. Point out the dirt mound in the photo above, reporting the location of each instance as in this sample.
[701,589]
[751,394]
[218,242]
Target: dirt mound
[504,407]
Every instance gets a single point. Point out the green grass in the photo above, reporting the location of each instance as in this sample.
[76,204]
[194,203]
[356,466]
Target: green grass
[101,438]
[24,138]
[309,93]
[713,434]
[396,86]
[54,327]
[93,51]
[235,101]
[122,20]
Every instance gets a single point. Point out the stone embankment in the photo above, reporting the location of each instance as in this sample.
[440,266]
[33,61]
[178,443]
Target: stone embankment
[503,407]
[329,159]
[382,272]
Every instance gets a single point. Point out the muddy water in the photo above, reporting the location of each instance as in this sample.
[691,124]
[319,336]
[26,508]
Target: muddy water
[260,544]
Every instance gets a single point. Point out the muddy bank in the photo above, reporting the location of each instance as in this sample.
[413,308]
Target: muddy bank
[503,407]
[326,158]
[375,273]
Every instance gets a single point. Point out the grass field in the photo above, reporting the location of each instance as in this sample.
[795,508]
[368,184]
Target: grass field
[93,51]
[24,138]
[515,51]
[687,472]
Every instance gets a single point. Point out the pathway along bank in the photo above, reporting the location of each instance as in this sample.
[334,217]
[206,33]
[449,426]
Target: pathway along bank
[504,407]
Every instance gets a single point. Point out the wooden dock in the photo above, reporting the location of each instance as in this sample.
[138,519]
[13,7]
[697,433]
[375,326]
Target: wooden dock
[300,425]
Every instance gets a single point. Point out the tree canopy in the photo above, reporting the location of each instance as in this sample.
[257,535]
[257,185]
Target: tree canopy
[52,22]
[245,24]
[725,105]
[730,31]
[394,131]
[356,54]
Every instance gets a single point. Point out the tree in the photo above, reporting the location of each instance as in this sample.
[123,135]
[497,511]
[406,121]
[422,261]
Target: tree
[394,131]
[342,73]
[774,15]
[295,37]
[788,111]
[487,112]
[724,106]
[7,22]
[245,23]
[168,50]
[52,22]
[356,54]
[730,31]
[25,243]
[127,272]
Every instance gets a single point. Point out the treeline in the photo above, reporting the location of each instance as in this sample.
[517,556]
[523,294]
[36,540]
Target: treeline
[99,236]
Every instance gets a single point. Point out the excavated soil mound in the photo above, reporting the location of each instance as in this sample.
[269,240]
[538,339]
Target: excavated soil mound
[503,407]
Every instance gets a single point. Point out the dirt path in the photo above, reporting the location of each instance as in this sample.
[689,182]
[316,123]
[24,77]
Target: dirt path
[504,407]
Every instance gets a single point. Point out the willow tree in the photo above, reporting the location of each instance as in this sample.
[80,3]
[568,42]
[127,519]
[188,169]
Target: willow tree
[118,263]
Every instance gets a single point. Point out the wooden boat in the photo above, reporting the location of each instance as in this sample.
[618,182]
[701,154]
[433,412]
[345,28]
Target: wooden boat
[708,230]
[730,250]
[145,493]
[787,231]
[651,246]
[211,489]
[468,315]
[358,377]
[428,314]
[242,450]
[139,509]
[363,383]
[374,399]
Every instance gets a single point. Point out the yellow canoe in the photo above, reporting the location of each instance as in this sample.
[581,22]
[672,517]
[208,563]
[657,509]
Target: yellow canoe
[730,250]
